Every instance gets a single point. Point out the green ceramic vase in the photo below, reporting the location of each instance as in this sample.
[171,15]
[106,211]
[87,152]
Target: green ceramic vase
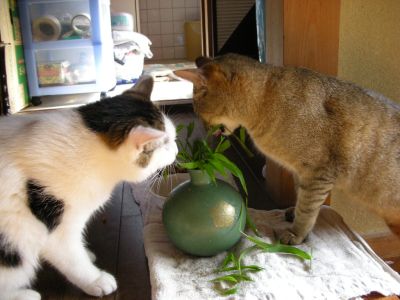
[203,218]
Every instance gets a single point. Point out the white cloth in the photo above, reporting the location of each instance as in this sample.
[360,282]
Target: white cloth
[130,49]
[343,265]
[139,41]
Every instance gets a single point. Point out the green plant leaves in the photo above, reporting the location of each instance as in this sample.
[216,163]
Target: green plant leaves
[210,171]
[251,268]
[189,130]
[278,248]
[199,155]
[228,278]
[223,145]
[250,224]
[237,272]
[232,168]
[190,165]
[179,128]
[242,134]
[228,292]
[218,166]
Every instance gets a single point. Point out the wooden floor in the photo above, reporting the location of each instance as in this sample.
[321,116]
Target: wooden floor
[115,236]
[388,248]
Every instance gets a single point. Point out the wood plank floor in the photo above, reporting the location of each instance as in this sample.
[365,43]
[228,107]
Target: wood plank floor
[115,236]
[388,248]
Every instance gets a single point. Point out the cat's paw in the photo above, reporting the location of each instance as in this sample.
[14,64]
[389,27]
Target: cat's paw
[22,295]
[105,284]
[289,238]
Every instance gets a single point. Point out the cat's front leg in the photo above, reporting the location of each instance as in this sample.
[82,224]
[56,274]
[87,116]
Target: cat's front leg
[24,294]
[311,195]
[91,255]
[66,252]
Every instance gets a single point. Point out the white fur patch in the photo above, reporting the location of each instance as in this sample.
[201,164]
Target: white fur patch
[74,165]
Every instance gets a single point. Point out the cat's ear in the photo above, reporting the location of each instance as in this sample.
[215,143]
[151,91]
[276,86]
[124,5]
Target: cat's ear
[194,75]
[202,60]
[143,86]
[140,136]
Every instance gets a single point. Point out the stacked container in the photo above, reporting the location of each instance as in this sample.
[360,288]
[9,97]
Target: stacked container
[68,46]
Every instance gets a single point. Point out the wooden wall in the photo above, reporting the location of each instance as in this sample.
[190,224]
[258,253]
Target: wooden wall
[311,34]
[310,39]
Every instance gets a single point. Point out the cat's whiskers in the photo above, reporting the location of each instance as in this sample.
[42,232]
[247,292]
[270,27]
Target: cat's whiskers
[160,179]
[155,182]
[169,109]
[168,177]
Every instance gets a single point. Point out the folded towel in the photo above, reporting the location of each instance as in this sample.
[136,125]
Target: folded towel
[134,40]
[343,265]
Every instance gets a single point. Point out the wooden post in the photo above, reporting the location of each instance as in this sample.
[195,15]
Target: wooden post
[310,31]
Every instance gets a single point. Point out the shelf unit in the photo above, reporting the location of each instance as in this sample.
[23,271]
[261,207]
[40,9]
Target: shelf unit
[68,46]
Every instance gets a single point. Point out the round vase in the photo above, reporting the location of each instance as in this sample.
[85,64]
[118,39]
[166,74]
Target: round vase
[204,218]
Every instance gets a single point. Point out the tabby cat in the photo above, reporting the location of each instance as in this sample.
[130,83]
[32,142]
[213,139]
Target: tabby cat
[57,168]
[326,131]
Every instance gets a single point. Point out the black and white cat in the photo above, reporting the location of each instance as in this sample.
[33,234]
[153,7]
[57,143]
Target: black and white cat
[57,168]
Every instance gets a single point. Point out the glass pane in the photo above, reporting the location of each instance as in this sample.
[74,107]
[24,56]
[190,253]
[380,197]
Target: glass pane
[65,66]
[60,20]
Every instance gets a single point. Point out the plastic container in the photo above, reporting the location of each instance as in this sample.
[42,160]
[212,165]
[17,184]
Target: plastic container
[122,21]
[68,46]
